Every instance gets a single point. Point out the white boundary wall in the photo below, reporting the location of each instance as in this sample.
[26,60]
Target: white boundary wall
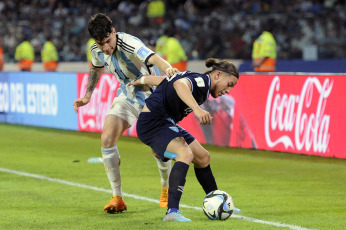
[195,66]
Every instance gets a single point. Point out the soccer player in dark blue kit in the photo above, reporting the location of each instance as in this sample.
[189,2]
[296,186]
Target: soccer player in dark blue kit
[173,99]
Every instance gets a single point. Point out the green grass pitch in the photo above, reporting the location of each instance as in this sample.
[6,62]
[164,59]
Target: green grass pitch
[46,183]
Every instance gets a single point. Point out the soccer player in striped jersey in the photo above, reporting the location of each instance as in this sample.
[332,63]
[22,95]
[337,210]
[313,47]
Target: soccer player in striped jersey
[128,59]
[173,99]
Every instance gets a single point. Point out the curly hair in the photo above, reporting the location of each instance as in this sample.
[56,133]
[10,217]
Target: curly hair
[223,65]
[100,26]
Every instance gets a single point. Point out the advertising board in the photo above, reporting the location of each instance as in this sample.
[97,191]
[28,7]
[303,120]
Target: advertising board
[38,99]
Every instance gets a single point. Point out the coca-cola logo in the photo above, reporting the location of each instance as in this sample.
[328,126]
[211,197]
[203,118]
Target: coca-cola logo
[92,115]
[298,120]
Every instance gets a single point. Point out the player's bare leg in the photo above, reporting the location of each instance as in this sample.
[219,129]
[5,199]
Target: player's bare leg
[177,178]
[202,168]
[113,128]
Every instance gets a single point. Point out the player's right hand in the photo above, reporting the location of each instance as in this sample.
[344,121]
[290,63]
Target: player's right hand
[203,116]
[171,71]
[80,102]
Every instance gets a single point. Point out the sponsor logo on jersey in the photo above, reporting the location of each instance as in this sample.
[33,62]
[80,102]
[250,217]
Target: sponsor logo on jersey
[188,110]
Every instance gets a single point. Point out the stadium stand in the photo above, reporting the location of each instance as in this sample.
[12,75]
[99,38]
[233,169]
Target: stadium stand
[229,26]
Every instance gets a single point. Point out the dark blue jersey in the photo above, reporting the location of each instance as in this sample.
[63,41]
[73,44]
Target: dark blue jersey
[166,102]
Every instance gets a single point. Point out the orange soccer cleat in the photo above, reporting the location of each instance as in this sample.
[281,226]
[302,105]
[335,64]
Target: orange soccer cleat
[116,204]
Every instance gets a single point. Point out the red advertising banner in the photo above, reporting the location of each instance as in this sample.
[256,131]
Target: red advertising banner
[290,113]
[302,114]
[91,116]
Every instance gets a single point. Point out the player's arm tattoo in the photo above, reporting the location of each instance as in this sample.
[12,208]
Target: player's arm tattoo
[94,76]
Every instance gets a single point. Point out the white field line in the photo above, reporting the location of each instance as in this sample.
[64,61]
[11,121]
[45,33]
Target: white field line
[36,176]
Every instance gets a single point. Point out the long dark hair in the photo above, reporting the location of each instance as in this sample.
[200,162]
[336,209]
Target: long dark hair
[223,65]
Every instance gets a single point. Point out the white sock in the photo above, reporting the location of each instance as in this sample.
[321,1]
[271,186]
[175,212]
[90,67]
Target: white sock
[164,170]
[111,161]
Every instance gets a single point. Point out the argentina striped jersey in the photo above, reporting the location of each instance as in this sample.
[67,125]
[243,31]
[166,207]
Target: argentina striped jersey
[127,63]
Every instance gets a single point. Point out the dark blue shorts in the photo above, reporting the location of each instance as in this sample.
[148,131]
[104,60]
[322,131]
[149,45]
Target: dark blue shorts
[157,132]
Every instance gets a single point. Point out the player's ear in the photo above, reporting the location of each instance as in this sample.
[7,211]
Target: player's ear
[217,75]
[113,30]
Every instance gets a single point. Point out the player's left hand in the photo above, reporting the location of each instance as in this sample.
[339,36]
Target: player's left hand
[171,71]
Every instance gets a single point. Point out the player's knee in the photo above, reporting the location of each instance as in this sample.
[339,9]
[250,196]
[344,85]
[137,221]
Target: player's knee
[189,157]
[185,155]
[203,159]
[107,141]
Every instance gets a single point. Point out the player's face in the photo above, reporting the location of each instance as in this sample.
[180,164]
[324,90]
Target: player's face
[108,44]
[223,85]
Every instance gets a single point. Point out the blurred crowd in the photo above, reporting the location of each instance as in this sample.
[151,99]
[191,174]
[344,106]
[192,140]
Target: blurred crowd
[218,28]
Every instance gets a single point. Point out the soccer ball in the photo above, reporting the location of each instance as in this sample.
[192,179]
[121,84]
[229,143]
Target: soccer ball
[218,205]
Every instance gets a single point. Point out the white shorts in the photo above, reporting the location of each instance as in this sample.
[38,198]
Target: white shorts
[125,109]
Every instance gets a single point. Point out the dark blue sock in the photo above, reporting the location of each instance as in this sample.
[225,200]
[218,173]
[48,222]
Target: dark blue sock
[177,180]
[206,178]
[172,210]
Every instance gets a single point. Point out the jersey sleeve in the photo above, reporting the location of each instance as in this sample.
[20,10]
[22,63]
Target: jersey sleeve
[94,56]
[200,85]
[141,51]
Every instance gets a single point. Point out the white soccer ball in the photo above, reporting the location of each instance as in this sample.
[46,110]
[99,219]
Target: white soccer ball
[218,205]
